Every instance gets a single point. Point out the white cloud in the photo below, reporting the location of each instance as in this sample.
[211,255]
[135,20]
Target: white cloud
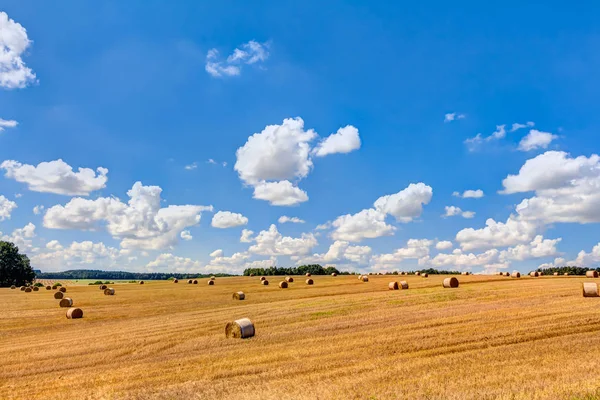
[246,236]
[191,166]
[250,53]
[587,259]
[340,251]
[344,141]
[322,227]
[272,243]
[6,208]
[167,262]
[13,43]
[453,210]
[538,248]
[282,193]
[460,260]
[469,194]
[56,177]
[21,237]
[453,116]
[186,235]
[517,126]
[368,223]
[227,219]
[37,210]
[496,234]
[295,220]
[141,223]
[84,254]
[443,245]
[4,123]
[407,204]
[54,245]
[475,142]
[536,140]
[217,253]
[415,249]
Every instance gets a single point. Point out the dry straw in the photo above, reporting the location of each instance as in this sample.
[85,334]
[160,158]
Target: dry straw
[283,285]
[211,283]
[13,287]
[195,281]
[308,274]
[516,274]
[591,274]
[450,282]
[239,296]
[48,287]
[63,289]
[109,292]
[393,285]
[66,302]
[534,274]
[35,288]
[74,313]
[289,279]
[175,280]
[590,289]
[27,290]
[264,282]
[58,295]
[309,281]
[403,285]
[239,329]
[102,287]
[365,278]
[333,274]
[141,282]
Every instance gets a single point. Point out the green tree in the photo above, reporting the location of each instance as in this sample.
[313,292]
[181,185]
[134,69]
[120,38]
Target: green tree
[15,268]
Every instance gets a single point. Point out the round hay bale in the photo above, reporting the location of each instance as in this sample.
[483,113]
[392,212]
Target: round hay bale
[58,295]
[556,274]
[309,281]
[308,274]
[239,329]
[195,281]
[13,287]
[141,282]
[365,278]
[450,282]
[189,281]
[540,273]
[102,287]
[239,296]
[264,282]
[211,283]
[66,302]
[54,287]
[27,290]
[333,274]
[262,278]
[23,288]
[506,273]
[63,289]
[289,279]
[393,285]
[283,285]
[515,275]
[48,287]
[251,275]
[465,273]
[534,274]
[360,277]
[109,292]
[175,280]
[74,313]
[591,274]
[566,274]
[35,288]
[425,275]
[590,289]
[212,278]
[403,285]
[402,273]
[417,273]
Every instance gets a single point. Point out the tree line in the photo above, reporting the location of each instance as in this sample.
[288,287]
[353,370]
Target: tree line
[78,274]
[570,269]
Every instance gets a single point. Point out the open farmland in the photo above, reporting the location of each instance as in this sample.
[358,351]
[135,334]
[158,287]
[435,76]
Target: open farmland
[491,338]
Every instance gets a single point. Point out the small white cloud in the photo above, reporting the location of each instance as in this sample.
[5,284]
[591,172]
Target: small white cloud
[246,236]
[191,166]
[18,195]
[6,208]
[186,235]
[295,220]
[443,245]
[452,211]
[536,140]
[227,219]
[516,126]
[282,193]
[469,194]
[37,210]
[250,53]
[344,141]
[453,116]
[217,253]
[7,123]
[475,142]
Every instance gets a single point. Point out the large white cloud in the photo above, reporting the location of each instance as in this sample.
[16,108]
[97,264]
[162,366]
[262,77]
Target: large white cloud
[272,243]
[407,204]
[141,223]
[368,223]
[536,140]
[6,208]
[86,255]
[13,44]
[538,248]
[497,234]
[227,219]
[345,140]
[415,249]
[56,177]
[282,193]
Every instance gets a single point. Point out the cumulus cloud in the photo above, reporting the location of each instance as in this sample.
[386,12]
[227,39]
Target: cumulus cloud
[37,210]
[469,194]
[227,219]
[86,254]
[475,142]
[191,166]
[344,141]
[167,262]
[6,208]
[453,210]
[7,123]
[536,140]
[249,53]
[272,243]
[415,249]
[141,223]
[295,220]
[246,236]
[13,44]
[517,126]
[56,177]
[443,245]
[368,223]
[282,193]
[21,237]
[497,234]
[453,116]
[407,204]
[340,251]
[217,253]
[460,260]
[538,248]
[186,235]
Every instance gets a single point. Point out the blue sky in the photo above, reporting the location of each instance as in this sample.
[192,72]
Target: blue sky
[144,89]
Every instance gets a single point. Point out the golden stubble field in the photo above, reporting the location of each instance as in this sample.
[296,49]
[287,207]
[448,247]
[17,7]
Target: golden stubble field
[491,338]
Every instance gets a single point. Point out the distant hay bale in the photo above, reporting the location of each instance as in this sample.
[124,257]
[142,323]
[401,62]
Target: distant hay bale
[211,283]
[213,277]
[556,274]
[506,273]
[262,278]
[309,281]
[516,274]
[402,273]
[534,274]
[48,287]
[425,275]
[58,295]
[308,274]
[590,289]
[195,281]
[109,292]
[27,289]
[13,287]
[175,280]
[450,282]
[35,288]
[264,282]
[23,288]
[189,281]
[289,279]
[239,329]
[141,282]
[102,287]
[540,273]
[465,273]
[403,285]
[360,277]
[251,275]
[283,285]
[566,274]
[333,274]
[591,274]
[74,313]
[417,273]
[365,278]
[54,287]
[239,296]
[63,289]
[393,285]
[66,302]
